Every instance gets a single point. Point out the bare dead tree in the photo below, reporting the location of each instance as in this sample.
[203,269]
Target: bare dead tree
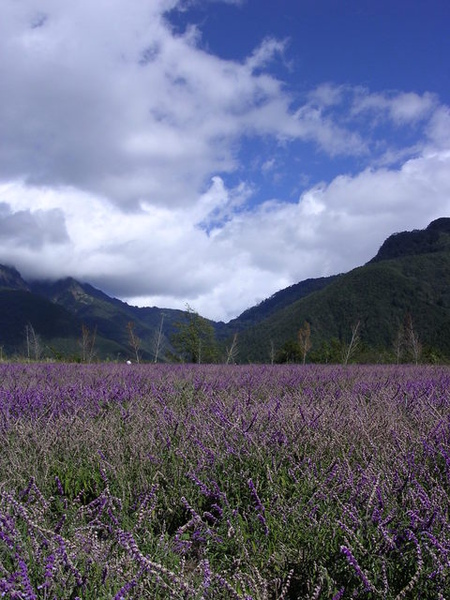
[304,340]
[33,341]
[350,348]
[272,352]
[232,351]
[87,343]
[412,339]
[27,340]
[158,339]
[135,342]
[399,344]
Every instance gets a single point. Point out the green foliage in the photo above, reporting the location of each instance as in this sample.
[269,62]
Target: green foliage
[379,296]
[289,353]
[20,308]
[195,339]
[279,301]
[328,352]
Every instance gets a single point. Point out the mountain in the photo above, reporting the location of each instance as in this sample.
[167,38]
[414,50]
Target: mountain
[11,279]
[29,324]
[109,318]
[278,301]
[408,281]
[412,243]
[408,278]
[23,314]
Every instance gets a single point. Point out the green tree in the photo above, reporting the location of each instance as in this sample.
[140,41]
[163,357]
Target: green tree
[289,353]
[328,352]
[194,339]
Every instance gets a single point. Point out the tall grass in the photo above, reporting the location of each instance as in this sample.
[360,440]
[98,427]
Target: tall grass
[257,482]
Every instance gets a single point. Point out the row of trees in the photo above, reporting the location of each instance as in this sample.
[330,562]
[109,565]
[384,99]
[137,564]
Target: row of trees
[406,347]
[194,342]
[35,348]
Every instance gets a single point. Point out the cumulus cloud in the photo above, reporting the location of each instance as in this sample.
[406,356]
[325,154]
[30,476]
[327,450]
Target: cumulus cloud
[333,227]
[438,129]
[121,163]
[399,107]
[262,55]
[162,256]
[106,98]
[32,230]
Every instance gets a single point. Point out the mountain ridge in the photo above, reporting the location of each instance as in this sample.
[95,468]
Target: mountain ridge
[409,277]
[409,274]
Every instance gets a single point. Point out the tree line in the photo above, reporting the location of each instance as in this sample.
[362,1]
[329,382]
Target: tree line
[407,347]
[194,341]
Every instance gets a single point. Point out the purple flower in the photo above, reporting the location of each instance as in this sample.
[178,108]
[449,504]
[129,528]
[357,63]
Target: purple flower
[354,563]
[59,486]
[123,592]
[259,506]
[206,575]
[30,594]
[49,571]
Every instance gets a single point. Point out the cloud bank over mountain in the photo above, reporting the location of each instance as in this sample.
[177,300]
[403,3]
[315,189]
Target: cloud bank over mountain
[133,157]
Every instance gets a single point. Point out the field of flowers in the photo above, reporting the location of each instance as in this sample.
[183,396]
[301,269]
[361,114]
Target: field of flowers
[224,482]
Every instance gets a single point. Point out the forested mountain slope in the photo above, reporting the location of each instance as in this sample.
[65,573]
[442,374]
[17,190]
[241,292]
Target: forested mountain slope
[407,280]
[410,275]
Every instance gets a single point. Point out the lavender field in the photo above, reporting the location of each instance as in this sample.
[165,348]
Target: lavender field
[224,482]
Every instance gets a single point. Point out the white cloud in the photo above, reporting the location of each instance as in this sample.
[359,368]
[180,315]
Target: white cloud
[104,97]
[265,53]
[399,107]
[326,95]
[438,129]
[119,140]
[32,229]
[160,256]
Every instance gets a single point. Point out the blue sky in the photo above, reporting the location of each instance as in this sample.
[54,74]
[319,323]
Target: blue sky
[381,46]
[212,152]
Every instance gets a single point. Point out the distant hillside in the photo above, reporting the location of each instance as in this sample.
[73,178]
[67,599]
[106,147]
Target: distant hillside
[278,301]
[434,238]
[20,309]
[409,278]
[110,317]
[11,279]
[409,275]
